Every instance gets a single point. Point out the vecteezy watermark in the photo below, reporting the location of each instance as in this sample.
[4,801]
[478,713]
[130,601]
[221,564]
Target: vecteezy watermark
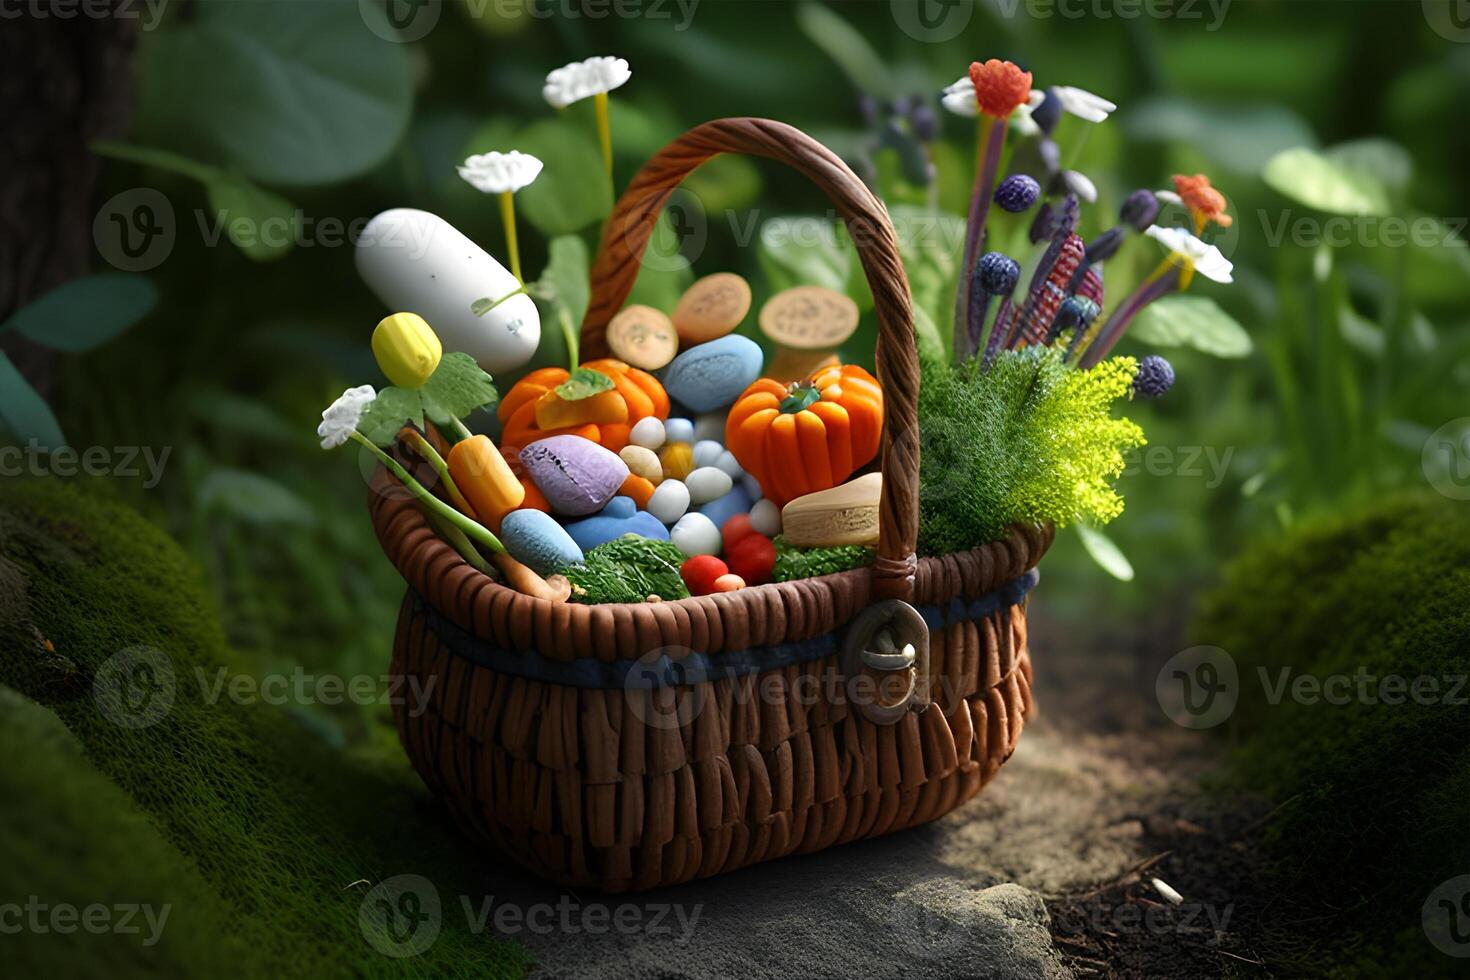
[403,915]
[1183,461]
[1446,459]
[127,462]
[1446,917]
[135,687]
[1198,687]
[1450,19]
[405,21]
[297,687]
[65,919]
[1211,12]
[1150,918]
[932,21]
[1362,687]
[135,230]
[1368,231]
[148,12]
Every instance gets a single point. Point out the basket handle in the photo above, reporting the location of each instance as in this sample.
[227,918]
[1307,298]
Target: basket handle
[632,221]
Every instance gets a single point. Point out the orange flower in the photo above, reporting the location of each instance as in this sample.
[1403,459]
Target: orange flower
[1000,87]
[1203,201]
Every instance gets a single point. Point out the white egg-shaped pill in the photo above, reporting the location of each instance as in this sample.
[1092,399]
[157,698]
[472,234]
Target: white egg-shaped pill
[643,462]
[730,465]
[647,432]
[765,517]
[752,487]
[417,262]
[696,534]
[706,451]
[706,484]
[678,430]
[669,501]
[710,425]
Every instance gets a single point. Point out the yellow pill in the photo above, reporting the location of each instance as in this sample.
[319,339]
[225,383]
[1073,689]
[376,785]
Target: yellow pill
[677,459]
[407,349]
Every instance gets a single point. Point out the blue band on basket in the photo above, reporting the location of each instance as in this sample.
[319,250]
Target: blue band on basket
[694,667]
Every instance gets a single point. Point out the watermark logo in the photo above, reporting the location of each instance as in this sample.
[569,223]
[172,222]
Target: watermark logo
[1446,459]
[1198,687]
[932,21]
[1446,917]
[1450,19]
[148,12]
[135,687]
[64,919]
[401,916]
[400,21]
[135,230]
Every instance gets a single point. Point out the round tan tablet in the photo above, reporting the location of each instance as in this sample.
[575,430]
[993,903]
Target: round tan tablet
[809,318]
[712,307]
[643,337]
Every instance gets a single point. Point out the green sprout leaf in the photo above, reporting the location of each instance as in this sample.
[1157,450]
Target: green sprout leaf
[1320,182]
[1191,321]
[1101,549]
[390,411]
[24,412]
[584,383]
[85,313]
[456,388]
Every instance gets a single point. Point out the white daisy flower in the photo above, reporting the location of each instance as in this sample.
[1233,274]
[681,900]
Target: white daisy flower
[959,99]
[583,79]
[500,173]
[340,419]
[1206,258]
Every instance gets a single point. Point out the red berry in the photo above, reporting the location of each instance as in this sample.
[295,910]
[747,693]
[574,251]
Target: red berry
[752,557]
[736,528]
[699,573]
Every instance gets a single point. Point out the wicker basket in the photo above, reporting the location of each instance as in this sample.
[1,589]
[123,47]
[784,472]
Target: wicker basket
[625,747]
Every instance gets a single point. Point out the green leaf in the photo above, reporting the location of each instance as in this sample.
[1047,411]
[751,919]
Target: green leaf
[1239,138]
[843,43]
[804,251]
[566,272]
[1101,549]
[24,412]
[260,224]
[1191,321]
[456,388]
[390,411]
[253,498]
[1361,333]
[573,190]
[1383,159]
[286,92]
[583,383]
[85,313]
[665,272]
[1312,179]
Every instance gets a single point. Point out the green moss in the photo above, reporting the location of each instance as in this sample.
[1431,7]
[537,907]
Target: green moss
[629,569]
[275,826]
[1031,440]
[793,562]
[1374,813]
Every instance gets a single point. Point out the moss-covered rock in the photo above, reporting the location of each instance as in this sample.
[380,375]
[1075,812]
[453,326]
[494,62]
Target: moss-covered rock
[266,835]
[1373,774]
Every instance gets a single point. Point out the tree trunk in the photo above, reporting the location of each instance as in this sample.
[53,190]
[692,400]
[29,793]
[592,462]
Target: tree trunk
[65,81]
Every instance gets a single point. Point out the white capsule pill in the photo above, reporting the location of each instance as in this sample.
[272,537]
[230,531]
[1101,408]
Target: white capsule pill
[706,484]
[417,262]
[669,501]
[696,534]
[706,451]
[678,430]
[647,432]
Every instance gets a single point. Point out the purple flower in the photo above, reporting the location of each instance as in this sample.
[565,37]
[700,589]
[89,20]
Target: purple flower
[1140,209]
[998,273]
[1017,193]
[1155,376]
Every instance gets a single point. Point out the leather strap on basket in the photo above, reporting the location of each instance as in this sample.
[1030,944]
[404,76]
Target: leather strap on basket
[632,222]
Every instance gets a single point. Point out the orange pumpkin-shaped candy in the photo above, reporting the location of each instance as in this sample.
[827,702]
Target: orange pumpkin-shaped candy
[807,436]
[533,409]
